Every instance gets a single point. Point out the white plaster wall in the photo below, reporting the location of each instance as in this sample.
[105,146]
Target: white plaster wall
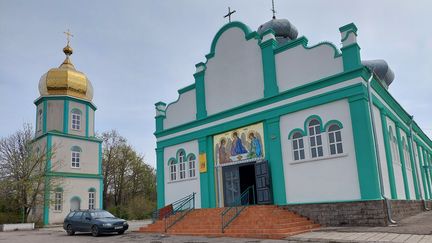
[38,127]
[181,111]
[91,121]
[329,179]
[181,188]
[419,173]
[410,177]
[55,115]
[397,168]
[299,66]
[81,131]
[382,151]
[61,160]
[234,76]
[73,187]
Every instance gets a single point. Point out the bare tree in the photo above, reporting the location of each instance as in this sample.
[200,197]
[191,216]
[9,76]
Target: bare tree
[23,170]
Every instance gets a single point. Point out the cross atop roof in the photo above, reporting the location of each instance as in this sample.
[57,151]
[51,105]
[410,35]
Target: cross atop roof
[229,14]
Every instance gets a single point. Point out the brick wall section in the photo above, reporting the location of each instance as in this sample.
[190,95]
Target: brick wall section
[358,213]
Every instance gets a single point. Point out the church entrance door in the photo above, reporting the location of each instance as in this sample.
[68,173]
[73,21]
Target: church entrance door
[262,177]
[231,181]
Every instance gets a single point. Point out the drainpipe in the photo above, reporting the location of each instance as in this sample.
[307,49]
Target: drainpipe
[415,163]
[387,201]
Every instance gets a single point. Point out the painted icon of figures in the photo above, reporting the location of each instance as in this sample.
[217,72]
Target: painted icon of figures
[255,146]
[237,145]
[223,155]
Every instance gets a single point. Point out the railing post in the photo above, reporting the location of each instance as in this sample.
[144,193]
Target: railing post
[193,198]
[253,194]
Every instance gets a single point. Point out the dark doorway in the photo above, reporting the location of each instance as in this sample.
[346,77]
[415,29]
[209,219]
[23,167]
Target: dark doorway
[247,179]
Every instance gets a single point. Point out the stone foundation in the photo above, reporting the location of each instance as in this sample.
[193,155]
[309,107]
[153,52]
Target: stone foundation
[357,213]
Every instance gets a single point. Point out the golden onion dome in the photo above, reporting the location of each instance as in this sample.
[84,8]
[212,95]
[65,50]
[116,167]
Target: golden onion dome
[66,80]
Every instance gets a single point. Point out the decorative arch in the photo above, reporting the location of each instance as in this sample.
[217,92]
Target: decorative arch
[295,131]
[180,151]
[249,34]
[75,198]
[331,122]
[310,118]
[76,111]
[76,149]
[191,156]
[92,189]
[172,161]
[59,189]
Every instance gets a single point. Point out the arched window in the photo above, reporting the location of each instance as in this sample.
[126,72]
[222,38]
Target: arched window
[335,139]
[182,164]
[298,146]
[76,119]
[394,147]
[75,203]
[315,139]
[191,162]
[91,198]
[58,199]
[173,170]
[407,157]
[40,119]
[76,157]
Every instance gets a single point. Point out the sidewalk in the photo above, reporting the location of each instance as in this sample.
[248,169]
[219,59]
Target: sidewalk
[417,228]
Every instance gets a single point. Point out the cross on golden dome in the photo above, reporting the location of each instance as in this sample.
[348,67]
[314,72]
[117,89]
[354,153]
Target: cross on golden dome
[68,36]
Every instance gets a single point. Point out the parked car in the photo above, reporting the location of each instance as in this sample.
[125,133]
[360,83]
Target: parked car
[95,221]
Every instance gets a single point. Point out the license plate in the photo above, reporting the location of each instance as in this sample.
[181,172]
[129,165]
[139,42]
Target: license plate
[118,227]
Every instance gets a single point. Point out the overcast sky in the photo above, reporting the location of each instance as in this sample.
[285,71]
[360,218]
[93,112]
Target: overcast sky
[139,52]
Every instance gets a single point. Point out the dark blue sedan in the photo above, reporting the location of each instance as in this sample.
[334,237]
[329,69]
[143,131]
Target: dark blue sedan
[95,221]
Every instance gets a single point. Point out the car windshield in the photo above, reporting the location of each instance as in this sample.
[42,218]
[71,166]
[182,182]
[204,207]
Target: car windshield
[101,214]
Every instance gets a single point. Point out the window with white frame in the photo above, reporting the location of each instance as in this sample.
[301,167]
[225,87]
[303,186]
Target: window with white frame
[407,156]
[182,164]
[58,200]
[40,120]
[76,157]
[315,139]
[335,139]
[91,199]
[191,162]
[394,147]
[76,119]
[173,170]
[298,146]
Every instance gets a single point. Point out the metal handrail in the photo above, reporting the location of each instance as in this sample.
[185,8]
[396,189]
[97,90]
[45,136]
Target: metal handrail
[180,209]
[237,208]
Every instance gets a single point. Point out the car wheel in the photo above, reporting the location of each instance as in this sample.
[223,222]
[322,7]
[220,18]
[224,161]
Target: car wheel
[69,230]
[121,232]
[95,231]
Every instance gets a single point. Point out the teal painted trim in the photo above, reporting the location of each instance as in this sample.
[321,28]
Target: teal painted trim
[186,89]
[160,103]
[347,35]
[351,57]
[66,116]
[296,130]
[159,123]
[211,172]
[172,161]
[74,175]
[402,159]
[249,34]
[45,115]
[100,156]
[69,98]
[364,150]
[200,99]
[59,189]
[48,153]
[413,169]
[267,114]
[310,118]
[427,173]
[403,115]
[76,111]
[59,134]
[273,153]
[269,68]
[87,121]
[331,122]
[76,198]
[160,178]
[337,53]
[46,202]
[422,171]
[388,154]
[91,189]
[101,194]
[191,156]
[76,148]
[37,125]
[204,177]
[350,26]
[312,86]
[290,44]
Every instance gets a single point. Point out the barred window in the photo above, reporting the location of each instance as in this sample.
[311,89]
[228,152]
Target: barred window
[191,162]
[58,201]
[91,201]
[76,119]
[315,139]
[298,146]
[335,139]
[173,170]
[76,157]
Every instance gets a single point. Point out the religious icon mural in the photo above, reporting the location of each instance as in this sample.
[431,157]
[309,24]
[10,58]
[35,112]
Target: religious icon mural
[239,144]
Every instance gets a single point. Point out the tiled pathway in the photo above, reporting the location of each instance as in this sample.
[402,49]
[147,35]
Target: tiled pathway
[359,237]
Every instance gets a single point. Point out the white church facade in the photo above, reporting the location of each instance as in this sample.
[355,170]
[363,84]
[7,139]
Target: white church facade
[65,131]
[294,122]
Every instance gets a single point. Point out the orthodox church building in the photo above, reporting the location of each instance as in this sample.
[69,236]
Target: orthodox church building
[300,124]
[65,132]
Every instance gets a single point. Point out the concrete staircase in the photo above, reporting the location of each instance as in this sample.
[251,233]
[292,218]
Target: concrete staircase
[266,222]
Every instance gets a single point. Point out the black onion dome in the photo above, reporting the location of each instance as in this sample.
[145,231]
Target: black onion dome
[381,69]
[283,29]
